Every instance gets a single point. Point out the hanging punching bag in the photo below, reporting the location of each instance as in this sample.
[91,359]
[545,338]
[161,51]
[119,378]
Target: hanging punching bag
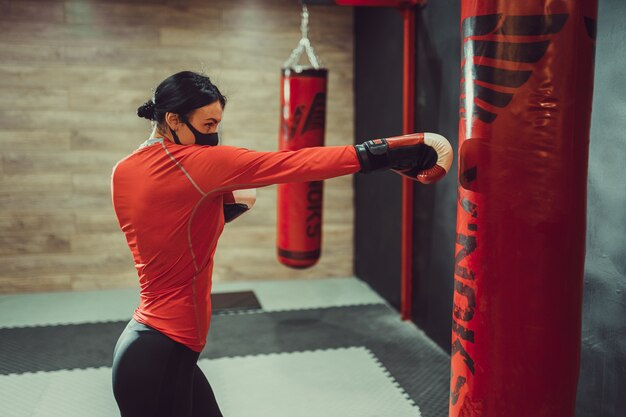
[303,104]
[302,124]
[526,92]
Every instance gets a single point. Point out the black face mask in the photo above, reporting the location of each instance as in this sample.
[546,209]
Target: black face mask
[205,139]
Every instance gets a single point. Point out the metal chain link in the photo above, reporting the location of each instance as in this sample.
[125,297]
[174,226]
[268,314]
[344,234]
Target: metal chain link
[303,46]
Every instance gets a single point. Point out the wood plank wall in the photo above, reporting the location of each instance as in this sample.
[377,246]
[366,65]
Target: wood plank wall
[72,74]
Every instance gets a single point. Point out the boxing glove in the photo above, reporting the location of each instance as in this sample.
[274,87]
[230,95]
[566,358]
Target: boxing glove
[238,202]
[423,157]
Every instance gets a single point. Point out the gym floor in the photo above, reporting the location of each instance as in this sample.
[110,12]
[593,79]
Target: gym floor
[328,347]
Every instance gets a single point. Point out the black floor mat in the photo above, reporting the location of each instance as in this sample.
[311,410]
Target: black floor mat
[234,301]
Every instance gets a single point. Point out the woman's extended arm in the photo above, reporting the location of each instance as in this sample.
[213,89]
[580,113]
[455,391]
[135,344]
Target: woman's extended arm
[227,168]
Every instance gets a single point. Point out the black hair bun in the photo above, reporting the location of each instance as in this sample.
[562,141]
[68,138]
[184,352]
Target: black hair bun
[146,110]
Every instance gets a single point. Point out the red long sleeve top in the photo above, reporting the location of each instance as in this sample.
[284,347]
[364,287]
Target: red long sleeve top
[168,200]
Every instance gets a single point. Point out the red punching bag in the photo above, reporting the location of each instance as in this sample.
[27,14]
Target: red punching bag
[526,93]
[303,120]
[303,104]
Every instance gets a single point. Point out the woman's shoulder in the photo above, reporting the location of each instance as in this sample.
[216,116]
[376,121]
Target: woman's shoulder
[151,144]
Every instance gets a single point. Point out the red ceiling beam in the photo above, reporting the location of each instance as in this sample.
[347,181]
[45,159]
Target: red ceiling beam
[380,3]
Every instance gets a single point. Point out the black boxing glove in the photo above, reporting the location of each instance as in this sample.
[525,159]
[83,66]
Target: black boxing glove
[238,202]
[423,157]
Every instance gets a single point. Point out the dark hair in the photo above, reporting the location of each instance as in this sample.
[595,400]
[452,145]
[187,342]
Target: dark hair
[180,93]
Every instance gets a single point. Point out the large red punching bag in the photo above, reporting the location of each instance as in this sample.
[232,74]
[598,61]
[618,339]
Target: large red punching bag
[303,119]
[526,92]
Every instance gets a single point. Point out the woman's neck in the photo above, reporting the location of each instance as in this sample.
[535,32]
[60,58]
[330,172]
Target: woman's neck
[156,133]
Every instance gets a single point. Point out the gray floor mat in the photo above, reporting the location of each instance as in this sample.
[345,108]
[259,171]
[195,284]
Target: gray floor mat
[414,361]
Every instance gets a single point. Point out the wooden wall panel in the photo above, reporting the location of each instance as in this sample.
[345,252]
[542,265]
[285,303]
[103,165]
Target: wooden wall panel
[72,75]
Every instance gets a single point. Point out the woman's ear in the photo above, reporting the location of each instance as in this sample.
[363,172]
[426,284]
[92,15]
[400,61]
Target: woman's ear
[172,120]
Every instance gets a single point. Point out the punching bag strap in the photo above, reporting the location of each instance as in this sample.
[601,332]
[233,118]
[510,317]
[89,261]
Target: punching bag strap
[303,46]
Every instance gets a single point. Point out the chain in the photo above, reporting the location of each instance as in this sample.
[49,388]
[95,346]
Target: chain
[303,46]
[304,26]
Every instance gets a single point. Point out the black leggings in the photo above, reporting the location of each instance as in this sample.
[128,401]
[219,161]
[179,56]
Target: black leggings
[158,377]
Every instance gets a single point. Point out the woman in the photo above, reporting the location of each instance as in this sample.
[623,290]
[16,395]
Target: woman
[172,197]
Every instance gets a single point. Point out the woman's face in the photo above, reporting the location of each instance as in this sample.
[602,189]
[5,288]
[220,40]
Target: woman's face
[204,119]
